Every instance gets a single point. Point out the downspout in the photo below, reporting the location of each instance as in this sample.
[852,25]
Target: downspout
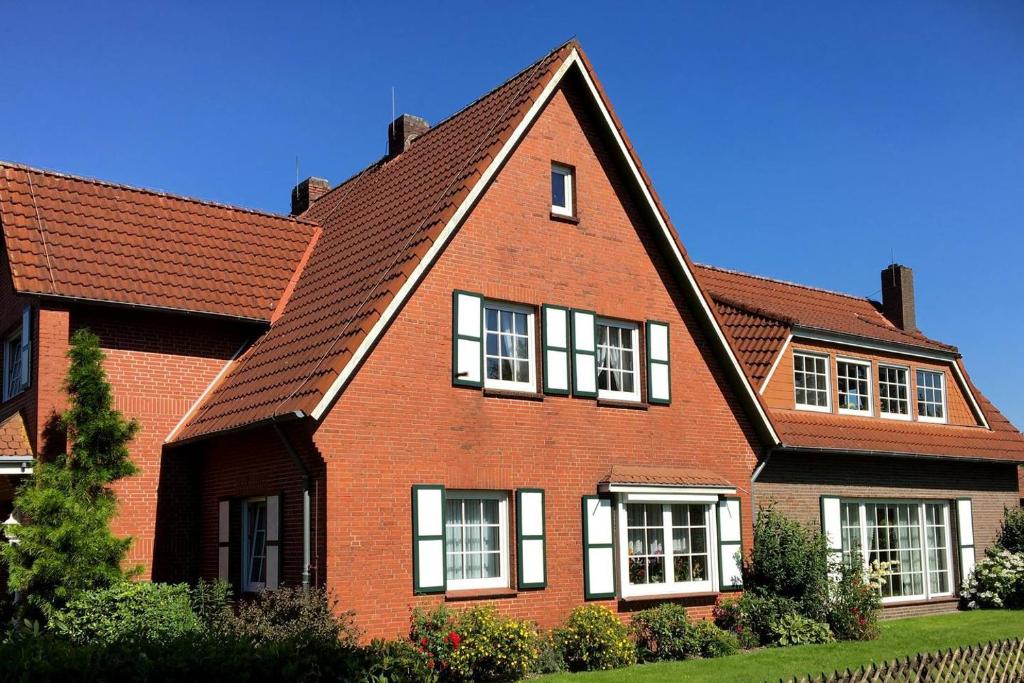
[307,479]
[753,482]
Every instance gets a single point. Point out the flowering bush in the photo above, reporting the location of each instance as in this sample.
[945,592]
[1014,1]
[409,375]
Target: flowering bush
[997,581]
[854,602]
[594,638]
[434,633]
[793,629]
[397,661]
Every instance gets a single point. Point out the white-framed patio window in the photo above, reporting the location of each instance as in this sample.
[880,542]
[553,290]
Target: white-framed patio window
[931,396]
[254,544]
[618,360]
[509,353]
[853,381]
[894,391]
[476,540]
[811,385]
[914,534]
[562,190]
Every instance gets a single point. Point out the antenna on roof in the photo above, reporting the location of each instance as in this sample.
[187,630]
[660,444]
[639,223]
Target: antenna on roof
[392,124]
[296,170]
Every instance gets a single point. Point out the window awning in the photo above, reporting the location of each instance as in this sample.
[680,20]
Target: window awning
[664,482]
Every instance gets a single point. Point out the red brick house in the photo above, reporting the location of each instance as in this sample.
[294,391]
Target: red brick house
[884,439]
[483,368]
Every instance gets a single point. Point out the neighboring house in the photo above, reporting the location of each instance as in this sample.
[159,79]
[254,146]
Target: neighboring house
[480,369]
[885,441]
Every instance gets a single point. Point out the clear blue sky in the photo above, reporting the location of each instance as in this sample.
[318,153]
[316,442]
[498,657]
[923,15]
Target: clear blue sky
[807,141]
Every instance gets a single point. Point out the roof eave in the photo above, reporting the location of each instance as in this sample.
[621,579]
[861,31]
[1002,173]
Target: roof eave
[786,448]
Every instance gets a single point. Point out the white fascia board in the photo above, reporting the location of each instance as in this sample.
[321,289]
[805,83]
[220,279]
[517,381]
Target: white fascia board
[670,490]
[775,363]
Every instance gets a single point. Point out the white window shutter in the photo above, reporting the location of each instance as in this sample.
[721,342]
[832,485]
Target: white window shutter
[730,543]
[584,353]
[428,564]
[531,550]
[659,380]
[273,542]
[26,344]
[965,536]
[467,339]
[555,335]
[832,528]
[598,550]
[224,540]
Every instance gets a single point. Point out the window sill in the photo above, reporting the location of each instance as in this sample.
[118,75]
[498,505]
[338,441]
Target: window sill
[480,594]
[912,602]
[614,403]
[508,393]
[564,219]
[669,596]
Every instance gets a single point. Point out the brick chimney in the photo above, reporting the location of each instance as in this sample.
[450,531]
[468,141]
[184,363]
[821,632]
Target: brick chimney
[403,131]
[898,297]
[307,192]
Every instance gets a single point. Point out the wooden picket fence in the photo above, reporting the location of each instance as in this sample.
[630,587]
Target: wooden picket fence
[999,661]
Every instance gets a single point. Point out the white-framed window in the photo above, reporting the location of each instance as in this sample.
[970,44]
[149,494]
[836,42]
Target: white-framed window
[666,548]
[562,190]
[254,544]
[894,391]
[913,534]
[509,357]
[16,359]
[931,396]
[853,380]
[811,381]
[476,540]
[618,360]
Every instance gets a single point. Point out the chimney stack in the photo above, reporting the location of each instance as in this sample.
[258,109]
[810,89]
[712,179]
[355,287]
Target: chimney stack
[307,192]
[898,297]
[403,131]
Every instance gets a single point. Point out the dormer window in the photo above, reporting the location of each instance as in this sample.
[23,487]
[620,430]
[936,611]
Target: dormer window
[853,378]
[894,392]
[562,186]
[810,381]
[931,396]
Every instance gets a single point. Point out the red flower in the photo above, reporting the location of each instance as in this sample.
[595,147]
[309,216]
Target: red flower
[423,642]
[430,663]
[455,639]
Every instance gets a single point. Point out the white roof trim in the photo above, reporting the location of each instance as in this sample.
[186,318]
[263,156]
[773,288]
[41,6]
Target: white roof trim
[449,229]
[775,364]
[16,464]
[612,487]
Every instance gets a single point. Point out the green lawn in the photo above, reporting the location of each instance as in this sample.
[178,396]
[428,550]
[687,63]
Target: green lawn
[899,638]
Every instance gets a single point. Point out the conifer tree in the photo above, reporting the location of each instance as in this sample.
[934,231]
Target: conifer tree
[64,543]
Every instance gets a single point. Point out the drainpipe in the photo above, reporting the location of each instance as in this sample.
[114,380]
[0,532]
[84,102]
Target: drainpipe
[753,482]
[307,479]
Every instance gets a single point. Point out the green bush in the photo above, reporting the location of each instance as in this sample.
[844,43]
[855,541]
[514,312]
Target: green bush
[1011,532]
[127,611]
[662,633]
[593,638]
[549,655]
[997,581]
[293,614]
[492,648]
[789,560]
[729,616]
[751,617]
[854,603]
[397,661]
[434,632]
[711,641]
[793,629]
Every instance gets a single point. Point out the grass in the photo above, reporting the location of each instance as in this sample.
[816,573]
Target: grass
[899,638]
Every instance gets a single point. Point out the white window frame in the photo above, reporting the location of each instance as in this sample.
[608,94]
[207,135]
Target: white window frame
[942,388]
[865,548]
[827,408]
[249,586]
[502,580]
[634,330]
[628,589]
[871,397]
[14,338]
[911,397]
[567,173]
[530,386]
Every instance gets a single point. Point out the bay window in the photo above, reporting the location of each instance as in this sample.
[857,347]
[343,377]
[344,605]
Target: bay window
[476,545]
[667,547]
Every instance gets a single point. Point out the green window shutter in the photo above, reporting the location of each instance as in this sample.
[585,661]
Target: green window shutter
[428,539]
[531,542]
[598,549]
[659,376]
[274,510]
[26,345]
[730,543]
[832,528]
[965,536]
[467,339]
[584,353]
[224,540]
[555,343]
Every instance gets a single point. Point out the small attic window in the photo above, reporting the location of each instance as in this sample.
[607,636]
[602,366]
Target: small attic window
[562,190]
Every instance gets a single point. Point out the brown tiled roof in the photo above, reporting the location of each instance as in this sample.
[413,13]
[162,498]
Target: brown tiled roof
[14,437]
[86,239]
[377,227]
[655,475]
[757,338]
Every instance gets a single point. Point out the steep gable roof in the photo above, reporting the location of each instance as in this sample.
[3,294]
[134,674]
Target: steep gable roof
[14,437]
[78,238]
[381,231]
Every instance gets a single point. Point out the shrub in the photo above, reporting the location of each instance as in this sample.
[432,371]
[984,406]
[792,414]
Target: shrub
[854,602]
[127,611]
[711,641]
[751,617]
[549,655]
[433,632]
[793,629]
[593,638]
[288,614]
[211,602]
[487,647]
[997,581]
[397,661]
[729,616]
[662,633]
[1011,532]
[789,560]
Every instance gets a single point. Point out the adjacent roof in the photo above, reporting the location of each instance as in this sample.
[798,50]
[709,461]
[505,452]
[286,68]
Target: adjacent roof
[14,437]
[75,237]
[655,475]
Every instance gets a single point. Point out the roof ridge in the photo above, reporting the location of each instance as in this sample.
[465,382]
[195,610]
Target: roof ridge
[159,193]
[731,271]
